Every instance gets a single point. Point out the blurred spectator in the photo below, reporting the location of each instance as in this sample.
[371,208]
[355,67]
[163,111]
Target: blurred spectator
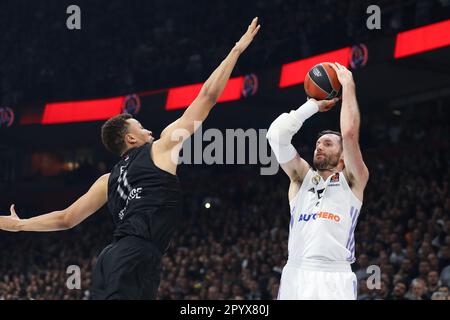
[398,254]
[363,263]
[445,276]
[433,282]
[399,291]
[439,296]
[418,290]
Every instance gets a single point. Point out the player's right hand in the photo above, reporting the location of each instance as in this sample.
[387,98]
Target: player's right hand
[344,75]
[248,36]
[10,223]
[325,105]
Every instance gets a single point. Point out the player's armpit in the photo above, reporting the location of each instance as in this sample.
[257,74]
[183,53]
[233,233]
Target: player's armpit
[355,168]
[296,169]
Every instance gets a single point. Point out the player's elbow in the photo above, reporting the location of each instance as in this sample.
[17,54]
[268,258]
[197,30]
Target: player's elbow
[273,133]
[208,98]
[350,134]
[207,95]
[65,221]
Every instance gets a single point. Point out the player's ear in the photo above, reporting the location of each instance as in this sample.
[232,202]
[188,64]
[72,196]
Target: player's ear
[130,138]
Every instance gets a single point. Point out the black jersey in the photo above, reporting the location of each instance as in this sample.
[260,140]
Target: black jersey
[144,200]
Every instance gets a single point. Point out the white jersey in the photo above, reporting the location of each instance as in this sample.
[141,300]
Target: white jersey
[323,220]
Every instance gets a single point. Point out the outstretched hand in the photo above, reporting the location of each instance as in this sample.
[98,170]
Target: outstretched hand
[9,223]
[248,36]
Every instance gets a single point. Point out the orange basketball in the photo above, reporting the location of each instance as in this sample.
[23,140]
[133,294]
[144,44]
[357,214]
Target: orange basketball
[321,82]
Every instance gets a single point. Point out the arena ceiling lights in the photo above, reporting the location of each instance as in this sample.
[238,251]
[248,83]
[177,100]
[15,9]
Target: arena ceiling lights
[181,97]
[294,72]
[407,43]
[81,111]
[422,39]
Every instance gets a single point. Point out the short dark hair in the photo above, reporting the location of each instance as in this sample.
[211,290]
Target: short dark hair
[113,133]
[324,132]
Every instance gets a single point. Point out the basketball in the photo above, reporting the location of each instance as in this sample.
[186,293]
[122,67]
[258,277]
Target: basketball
[321,82]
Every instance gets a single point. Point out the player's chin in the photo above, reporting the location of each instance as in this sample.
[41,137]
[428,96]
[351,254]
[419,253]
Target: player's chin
[319,164]
[316,163]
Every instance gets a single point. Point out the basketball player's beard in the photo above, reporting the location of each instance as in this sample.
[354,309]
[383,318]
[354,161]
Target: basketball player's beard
[326,163]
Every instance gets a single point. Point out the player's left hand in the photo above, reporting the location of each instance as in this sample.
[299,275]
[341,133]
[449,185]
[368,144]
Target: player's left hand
[344,75]
[10,223]
[248,36]
[325,105]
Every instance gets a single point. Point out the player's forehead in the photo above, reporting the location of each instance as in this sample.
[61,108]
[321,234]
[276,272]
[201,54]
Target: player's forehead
[133,123]
[328,137]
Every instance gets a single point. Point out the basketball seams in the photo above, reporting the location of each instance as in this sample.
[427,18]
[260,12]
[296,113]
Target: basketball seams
[325,84]
[329,79]
[322,80]
[318,85]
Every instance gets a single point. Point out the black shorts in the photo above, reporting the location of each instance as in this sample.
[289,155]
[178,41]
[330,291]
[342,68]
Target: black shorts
[129,268]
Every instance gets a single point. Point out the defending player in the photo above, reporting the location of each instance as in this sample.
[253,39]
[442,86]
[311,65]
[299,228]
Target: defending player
[142,193]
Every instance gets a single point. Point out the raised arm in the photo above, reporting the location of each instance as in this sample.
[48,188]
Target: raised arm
[86,205]
[209,93]
[280,135]
[355,168]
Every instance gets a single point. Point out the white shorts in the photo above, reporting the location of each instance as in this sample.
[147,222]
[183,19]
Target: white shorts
[300,284]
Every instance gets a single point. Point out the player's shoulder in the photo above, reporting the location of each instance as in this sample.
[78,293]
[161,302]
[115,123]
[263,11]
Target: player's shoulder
[353,181]
[356,187]
[157,146]
[137,150]
[104,178]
